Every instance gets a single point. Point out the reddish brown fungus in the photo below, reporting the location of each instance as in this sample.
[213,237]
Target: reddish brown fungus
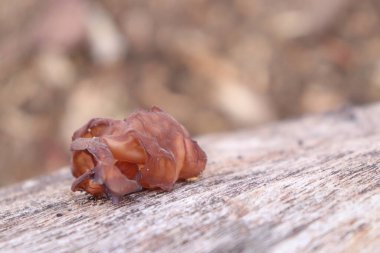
[149,149]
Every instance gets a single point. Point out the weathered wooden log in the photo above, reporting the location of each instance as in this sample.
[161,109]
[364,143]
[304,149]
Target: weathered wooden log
[308,185]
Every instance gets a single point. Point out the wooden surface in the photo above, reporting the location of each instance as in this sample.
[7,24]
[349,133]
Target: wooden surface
[308,185]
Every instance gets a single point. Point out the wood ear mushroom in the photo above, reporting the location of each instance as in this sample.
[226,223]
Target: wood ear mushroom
[149,149]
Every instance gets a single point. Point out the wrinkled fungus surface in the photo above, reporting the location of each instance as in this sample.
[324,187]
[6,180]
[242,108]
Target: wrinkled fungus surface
[149,149]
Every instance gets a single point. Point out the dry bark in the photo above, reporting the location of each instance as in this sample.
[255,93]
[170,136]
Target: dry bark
[308,185]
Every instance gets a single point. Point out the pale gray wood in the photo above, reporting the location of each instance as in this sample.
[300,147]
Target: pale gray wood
[308,185]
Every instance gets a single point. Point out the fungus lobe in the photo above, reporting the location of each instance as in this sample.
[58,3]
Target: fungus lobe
[149,149]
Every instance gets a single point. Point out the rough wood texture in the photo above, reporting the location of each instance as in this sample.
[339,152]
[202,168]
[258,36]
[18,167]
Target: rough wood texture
[309,185]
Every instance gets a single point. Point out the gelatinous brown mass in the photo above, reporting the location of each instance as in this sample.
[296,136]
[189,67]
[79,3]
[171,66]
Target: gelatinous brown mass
[149,149]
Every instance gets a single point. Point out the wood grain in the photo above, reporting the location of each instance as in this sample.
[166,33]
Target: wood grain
[307,185]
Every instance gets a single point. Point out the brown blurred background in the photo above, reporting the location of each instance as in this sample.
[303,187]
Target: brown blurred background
[215,65]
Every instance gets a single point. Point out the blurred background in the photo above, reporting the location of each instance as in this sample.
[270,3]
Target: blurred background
[217,65]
